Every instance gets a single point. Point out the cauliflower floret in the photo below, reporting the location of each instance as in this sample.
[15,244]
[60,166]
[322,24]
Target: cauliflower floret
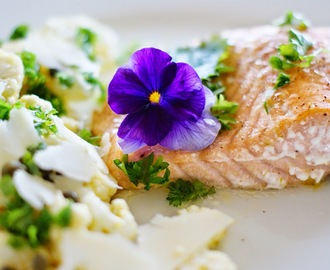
[11,76]
[35,101]
[210,260]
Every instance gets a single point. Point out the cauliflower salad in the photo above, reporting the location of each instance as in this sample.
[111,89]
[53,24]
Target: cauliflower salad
[57,205]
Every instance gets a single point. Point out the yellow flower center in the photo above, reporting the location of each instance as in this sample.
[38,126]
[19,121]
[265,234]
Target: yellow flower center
[154,97]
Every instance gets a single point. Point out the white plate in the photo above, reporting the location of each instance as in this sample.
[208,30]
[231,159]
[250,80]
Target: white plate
[288,229]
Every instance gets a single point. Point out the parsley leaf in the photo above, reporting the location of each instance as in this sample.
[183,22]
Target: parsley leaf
[88,137]
[19,32]
[86,40]
[300,40]
[43,121]
[282,79]
[145,171]
[223,110]
[182,191]
[294,20]
[292,54]
[26,225]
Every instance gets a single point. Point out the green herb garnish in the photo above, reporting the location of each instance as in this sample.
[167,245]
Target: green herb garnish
[27,226]
[145,171]
[64,79]
[182,191]
[43,121]
[88,137]
[93,81]
[19,32]
[5,109]
[293,20]
[282,79]
[28,162]
[86,40]
[224,111]
[292,54]
[35,82]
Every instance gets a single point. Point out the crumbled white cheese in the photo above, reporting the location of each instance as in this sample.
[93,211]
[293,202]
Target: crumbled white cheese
[11,76]
[16,135]
[33,189]
[67,158]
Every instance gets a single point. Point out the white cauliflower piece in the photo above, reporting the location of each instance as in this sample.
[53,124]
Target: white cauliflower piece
[35,101]
[11,76]
[210,260]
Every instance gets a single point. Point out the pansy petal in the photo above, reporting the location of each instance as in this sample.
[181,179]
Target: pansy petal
[130,146]
[126,93]
[209,99]
[150,125]
[185,96]
[191,135]
[148,64]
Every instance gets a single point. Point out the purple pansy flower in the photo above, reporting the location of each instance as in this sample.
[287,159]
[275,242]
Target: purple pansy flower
[165,102]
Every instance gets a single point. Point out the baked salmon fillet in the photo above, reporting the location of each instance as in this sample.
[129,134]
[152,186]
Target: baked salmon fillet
[287,146]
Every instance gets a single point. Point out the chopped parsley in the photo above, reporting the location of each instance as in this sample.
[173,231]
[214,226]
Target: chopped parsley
[182,191]
[208,61]
[43,121]
[20,32]
[294,20]
[224,110]
[27,226]
[88,137]
[145,171]
[93,81]
[28,162]
[35,82]
[292,54]
[282,79]
[86,40]
[6,107]
[64,79]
